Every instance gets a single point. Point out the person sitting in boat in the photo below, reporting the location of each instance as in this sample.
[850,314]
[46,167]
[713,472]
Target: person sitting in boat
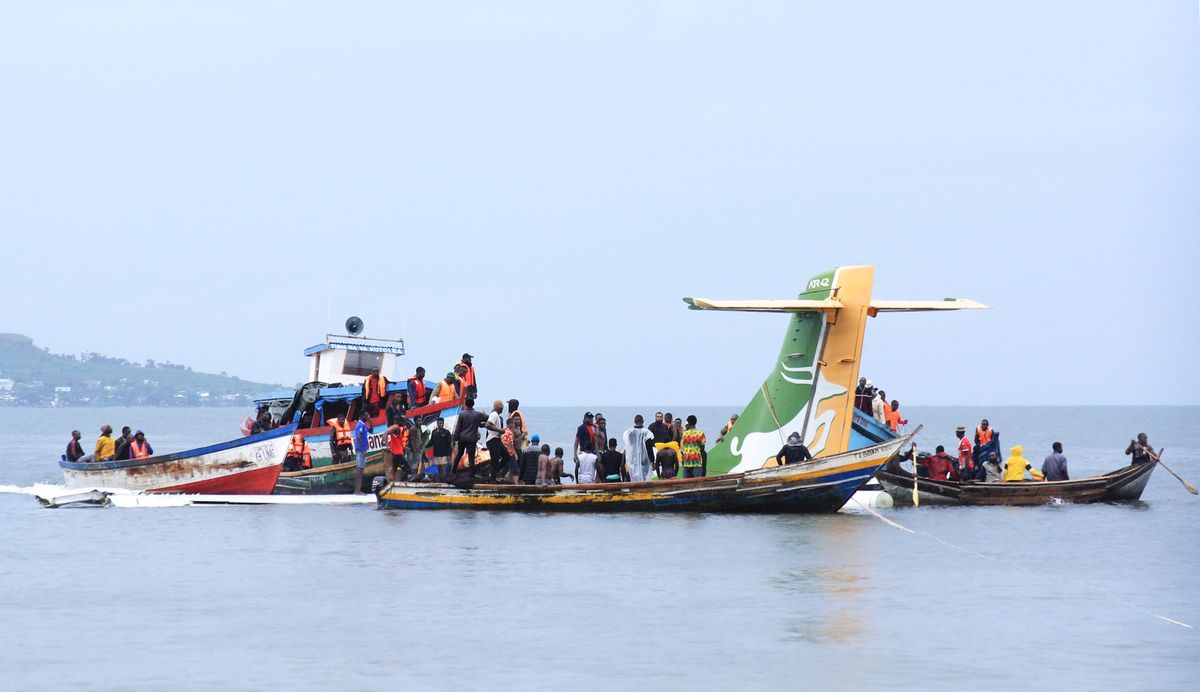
[138,447]
[1140,450]
[418,393]
[1054,467]
[121,444]
[395,408]
[299,455]
[1017,465]
[992,473]
[892,416]
[666,463]
[374,392]
[105,447]
[262,422]
[941,466]
[74,449]
[793,452]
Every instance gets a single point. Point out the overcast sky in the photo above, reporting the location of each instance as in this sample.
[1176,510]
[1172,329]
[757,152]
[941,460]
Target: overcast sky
[219,184]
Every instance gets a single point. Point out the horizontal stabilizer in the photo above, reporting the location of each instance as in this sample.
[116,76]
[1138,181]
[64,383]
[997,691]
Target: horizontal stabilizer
[831,304]
[763,305]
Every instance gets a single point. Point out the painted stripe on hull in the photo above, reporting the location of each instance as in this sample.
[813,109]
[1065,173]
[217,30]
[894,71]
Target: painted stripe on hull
[256,482]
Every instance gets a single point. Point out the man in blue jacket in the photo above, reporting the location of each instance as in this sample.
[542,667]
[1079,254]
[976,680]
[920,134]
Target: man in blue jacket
[362,434]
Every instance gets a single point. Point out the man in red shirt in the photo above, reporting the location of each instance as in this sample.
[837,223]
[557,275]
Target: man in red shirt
[941,466]
[966,466]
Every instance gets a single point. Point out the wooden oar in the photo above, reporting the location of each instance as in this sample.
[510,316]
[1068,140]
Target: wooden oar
[1190,488]
[916,477]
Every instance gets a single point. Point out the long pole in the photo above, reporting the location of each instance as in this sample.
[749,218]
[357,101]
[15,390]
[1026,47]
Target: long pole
[1187,486]
[916,477]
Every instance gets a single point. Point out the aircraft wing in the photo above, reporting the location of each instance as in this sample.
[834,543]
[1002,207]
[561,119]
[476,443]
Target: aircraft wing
[831,304]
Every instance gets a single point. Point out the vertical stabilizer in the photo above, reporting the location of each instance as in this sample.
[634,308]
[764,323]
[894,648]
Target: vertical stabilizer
[811,388]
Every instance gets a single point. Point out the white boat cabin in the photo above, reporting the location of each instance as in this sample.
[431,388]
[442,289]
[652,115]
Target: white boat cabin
[350,359]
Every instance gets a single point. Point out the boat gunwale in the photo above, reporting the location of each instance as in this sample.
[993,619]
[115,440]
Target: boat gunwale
[177,456]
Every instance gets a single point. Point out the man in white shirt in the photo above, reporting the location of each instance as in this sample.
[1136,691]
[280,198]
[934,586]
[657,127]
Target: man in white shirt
[637,457]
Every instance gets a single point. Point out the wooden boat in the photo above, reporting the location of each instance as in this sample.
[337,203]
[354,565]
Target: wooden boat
[809,393]
[1122,485]
[818,485]
[245,466]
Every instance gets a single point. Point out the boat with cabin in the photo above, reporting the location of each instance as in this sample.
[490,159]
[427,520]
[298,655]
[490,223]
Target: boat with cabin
[810,391]
[338,368]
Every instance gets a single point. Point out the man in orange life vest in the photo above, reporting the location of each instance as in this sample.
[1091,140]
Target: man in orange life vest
[418,393]
[466,375]
[139,448]
[374,392]
[340,436]
[299,455]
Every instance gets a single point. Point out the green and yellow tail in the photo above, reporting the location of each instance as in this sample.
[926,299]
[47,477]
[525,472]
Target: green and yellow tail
[811,388]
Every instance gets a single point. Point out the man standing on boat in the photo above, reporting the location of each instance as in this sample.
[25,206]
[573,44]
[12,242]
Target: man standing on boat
[1141,450]
[340,440]
[362,435]
[447,389]
[585,436]
[121,444]
[417,392]
[374,392]
[1055,466]
[966,465]
[465,370]
[692,450]
[493,442]
[466,434]
[637,449]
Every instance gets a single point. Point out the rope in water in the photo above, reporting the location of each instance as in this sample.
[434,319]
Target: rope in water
[1122,601]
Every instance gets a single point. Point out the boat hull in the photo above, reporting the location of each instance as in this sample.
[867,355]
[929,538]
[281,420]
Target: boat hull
[1123,485]
[820,485]
[246,466]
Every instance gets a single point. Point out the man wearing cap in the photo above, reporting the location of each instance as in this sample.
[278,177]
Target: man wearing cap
[447,389]
[966,464]
[466,375]
[527,473]
[585,436]
[139,448]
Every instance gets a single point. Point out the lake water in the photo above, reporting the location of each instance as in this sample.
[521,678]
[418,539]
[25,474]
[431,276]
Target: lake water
[310,597]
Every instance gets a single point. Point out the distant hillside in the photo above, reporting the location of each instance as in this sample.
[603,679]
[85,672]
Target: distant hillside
[32,376]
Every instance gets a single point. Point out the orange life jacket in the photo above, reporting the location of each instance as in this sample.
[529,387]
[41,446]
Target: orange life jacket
[343,434]
[985,436]
[375,388]
[138,450]
[398,441]
[446,391]
[468,377]
[299,448]
[418,387]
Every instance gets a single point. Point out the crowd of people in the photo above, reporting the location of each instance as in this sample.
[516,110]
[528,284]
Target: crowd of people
[130,445]
[979,459]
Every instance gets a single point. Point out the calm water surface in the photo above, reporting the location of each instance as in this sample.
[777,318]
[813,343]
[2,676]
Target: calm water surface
[308,597]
